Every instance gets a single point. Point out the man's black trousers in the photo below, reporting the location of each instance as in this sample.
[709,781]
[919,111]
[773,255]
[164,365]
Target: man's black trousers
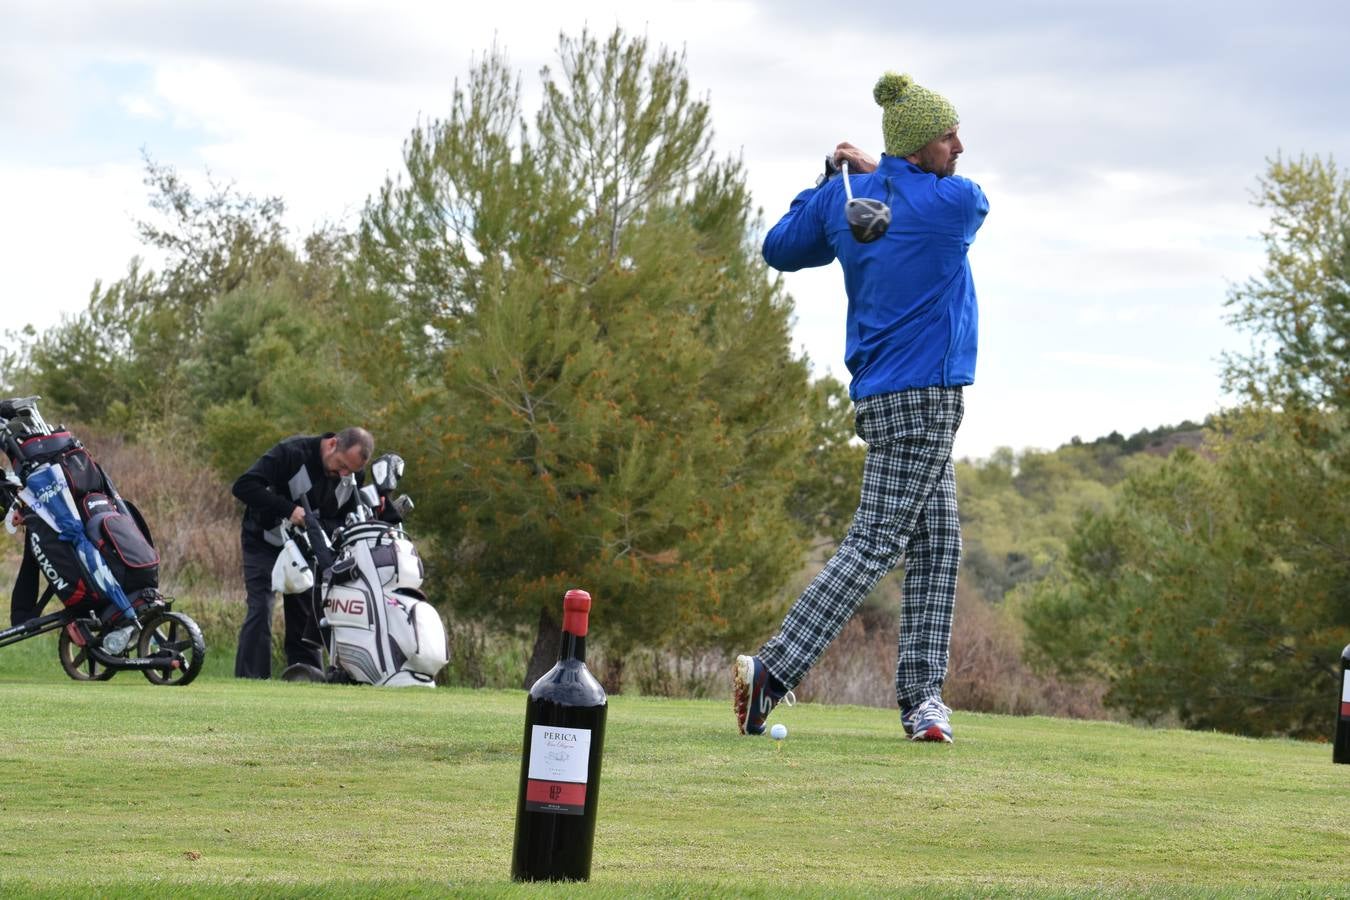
[254,656]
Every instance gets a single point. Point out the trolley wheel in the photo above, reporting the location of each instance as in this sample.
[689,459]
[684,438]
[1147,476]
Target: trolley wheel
[302,672]
[173,635]
[79,663]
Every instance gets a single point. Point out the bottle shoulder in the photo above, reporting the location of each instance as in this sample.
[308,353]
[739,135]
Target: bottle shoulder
[569,682]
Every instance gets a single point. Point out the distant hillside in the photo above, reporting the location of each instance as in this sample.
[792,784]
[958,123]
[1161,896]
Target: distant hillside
[1163,446]
[1161,441]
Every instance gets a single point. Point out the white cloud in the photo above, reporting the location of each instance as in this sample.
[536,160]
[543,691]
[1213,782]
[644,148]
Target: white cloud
[139,107]
[1119,362]
[76,227]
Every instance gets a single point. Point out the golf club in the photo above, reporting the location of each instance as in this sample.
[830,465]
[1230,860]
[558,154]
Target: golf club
[868,219]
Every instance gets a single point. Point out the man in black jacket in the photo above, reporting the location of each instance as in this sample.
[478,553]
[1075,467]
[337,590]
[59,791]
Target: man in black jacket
[327,470]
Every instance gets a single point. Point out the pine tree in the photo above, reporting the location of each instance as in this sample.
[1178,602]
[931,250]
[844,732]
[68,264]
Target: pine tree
[606,394]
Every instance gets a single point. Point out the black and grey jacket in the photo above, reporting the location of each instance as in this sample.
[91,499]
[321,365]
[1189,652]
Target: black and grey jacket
[273,485]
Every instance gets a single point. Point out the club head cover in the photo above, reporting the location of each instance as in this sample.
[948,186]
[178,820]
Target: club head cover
[868,219]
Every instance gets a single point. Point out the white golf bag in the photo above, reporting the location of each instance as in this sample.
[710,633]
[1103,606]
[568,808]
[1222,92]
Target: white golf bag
[379,627]
[382,630]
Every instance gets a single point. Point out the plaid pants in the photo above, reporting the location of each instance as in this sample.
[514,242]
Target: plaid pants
[908,506]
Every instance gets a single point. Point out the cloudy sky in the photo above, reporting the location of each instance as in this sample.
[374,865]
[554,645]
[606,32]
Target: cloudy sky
[1119,144]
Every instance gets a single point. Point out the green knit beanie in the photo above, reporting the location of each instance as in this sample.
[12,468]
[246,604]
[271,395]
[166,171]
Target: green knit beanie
[911,115]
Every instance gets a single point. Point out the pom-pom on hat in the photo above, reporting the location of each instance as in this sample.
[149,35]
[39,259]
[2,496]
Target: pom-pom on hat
[911,115]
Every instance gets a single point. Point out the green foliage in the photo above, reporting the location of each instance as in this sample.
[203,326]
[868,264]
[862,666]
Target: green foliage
[123,360]
[271,361]
[825,494]
[1212,591]
[236,343]
[83,367]
[598,387]
[15,367]
[1019,511]
[1219,592]
[1298,309]
[561,324]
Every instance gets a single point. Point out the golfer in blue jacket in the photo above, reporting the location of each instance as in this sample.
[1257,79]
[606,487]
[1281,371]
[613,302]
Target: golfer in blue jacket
[910,348]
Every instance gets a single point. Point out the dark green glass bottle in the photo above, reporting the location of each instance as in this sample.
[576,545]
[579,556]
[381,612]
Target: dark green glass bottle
[560,764]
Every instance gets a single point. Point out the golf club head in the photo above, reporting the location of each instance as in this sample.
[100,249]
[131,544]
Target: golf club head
[868,219]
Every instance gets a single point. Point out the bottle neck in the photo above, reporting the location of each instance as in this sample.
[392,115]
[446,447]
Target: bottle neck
[573,647]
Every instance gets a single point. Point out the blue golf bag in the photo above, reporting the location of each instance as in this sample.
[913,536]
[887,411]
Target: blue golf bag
[92,547]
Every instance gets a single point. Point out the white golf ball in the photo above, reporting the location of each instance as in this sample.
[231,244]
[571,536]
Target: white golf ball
[778,732]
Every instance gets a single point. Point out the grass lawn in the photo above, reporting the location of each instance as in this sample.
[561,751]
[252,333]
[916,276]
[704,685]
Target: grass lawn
[226,788]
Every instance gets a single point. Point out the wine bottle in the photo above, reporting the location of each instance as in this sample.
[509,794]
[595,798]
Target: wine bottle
[560,764]
[1340,752]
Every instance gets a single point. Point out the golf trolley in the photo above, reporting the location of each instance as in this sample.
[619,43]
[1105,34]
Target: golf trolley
[365,586]
[95,552]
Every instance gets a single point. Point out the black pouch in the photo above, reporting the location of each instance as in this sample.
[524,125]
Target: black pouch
[43,447]
[134,561]
[82,473]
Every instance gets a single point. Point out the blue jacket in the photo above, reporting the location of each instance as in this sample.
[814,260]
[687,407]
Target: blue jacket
[912,316]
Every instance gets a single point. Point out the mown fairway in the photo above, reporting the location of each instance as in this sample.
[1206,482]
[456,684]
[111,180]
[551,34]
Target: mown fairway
[226,788]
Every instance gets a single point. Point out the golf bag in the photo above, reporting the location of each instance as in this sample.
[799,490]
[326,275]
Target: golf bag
[91,545]
[382,630]
[378,626]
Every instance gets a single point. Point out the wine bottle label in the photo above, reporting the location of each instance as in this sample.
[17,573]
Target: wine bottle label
[1345,695]
[559,758]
